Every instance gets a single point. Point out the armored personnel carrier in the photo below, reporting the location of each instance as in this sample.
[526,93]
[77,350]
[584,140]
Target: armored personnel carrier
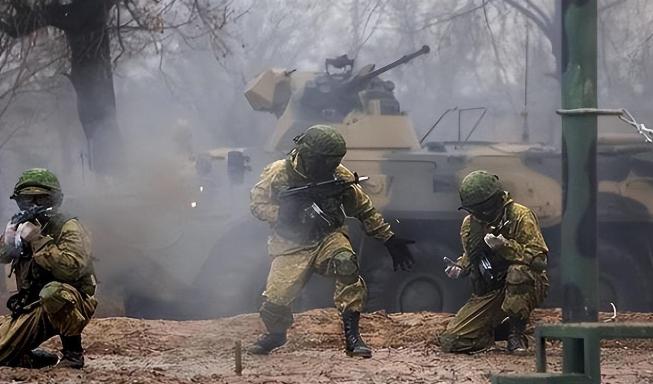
[414,182]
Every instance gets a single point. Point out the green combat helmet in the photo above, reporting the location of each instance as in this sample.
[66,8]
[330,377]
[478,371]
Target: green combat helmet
[38,181]
[321,140]
[479,194]
[320,148]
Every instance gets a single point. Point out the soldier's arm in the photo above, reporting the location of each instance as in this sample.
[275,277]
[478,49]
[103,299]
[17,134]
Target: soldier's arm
[528,242]
[262,204]
[359,205]
[68,258]
[463,261]
[7,253]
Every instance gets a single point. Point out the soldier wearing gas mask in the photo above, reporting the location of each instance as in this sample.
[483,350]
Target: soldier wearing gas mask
[505,256]
[309,235]
[50,256]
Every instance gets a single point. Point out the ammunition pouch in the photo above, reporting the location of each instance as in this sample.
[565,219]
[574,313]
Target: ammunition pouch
[539,263]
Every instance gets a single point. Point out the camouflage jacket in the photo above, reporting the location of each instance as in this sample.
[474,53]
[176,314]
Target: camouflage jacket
[62,250]
[526,249]
[282,174]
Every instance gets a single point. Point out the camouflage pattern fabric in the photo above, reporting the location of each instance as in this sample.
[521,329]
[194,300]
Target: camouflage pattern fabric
[65,301]
[63,311]
[322,140]
[290,272]
[37,177]
[332,255]
[477,187]
[472,329]
[523,287]
[282,174]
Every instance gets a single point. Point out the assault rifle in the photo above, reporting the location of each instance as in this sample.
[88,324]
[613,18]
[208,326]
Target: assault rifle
[485,266]
[327,188]
[314,192]
[21,217]
[29,214]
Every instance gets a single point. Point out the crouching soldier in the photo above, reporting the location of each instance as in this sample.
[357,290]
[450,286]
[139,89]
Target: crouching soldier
[505,256]
[50,255]
[309,235]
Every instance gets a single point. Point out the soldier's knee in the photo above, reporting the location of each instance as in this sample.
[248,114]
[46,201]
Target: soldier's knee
[344,266]
[56,296]
[446,342]
[277,318]
[520,298]
[451,343]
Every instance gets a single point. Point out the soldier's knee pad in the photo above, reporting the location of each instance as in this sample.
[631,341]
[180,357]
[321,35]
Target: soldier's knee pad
[344,266]
[277,318]
[56,296]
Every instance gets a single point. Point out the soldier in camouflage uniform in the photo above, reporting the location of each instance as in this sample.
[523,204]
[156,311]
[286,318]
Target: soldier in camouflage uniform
[51,258]
[303,243]
[505,256]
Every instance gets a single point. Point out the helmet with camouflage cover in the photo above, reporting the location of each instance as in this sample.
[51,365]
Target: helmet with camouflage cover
[320,148]
[38,181]
[321,140]
[481,193]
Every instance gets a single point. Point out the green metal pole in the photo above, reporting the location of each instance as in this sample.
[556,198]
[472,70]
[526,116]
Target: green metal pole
[579,225]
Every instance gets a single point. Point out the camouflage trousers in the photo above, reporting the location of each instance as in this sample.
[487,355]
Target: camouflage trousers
[289,273]
[62,311]
[472,329]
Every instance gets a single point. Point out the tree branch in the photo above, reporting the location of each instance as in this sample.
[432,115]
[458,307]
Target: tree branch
[543,24]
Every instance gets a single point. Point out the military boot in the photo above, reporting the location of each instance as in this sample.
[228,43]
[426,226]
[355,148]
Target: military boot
[516,340]
[73,353]
[277,319]
[36,359]
[266,343]
[354,344]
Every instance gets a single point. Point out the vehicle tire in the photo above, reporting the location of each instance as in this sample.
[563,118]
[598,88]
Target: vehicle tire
[425,288]
[623,278]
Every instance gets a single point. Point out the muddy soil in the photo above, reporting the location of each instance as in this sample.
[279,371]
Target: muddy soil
[125,350]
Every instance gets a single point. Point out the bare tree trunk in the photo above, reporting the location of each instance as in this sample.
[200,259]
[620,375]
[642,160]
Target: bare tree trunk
[84,23]
[92,77]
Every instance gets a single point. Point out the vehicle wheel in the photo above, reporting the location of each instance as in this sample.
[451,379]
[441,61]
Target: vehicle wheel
[622,279]
[425,288]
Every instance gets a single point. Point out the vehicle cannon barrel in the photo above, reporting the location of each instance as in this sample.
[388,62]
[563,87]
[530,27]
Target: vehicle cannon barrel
[359,80]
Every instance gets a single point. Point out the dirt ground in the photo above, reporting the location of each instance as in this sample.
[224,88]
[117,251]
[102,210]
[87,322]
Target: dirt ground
[124,350]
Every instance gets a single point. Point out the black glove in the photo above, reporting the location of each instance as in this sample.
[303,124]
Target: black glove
[401,256]
[17,304]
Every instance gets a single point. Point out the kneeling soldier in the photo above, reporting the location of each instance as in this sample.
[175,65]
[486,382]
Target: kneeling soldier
[505,256]
[50,254]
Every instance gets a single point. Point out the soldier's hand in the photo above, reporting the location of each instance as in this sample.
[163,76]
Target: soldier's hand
[402,258]
[453,271]
[495,242]
[9,237]
[28,231]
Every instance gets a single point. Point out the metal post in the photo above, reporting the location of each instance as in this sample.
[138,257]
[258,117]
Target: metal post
[526,135]
[579,226]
